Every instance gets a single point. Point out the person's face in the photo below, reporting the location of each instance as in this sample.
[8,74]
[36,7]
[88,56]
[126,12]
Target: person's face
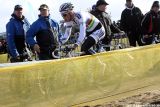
[18,12]
[129,4]
[102,7]
[67,16]
[44,12]
[155,9]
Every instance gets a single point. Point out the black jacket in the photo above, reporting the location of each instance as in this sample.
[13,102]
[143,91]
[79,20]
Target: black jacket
[106,21]
[131,19]
[151,23]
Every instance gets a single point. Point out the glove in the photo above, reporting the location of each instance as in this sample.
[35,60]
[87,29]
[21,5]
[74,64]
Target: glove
[36,48]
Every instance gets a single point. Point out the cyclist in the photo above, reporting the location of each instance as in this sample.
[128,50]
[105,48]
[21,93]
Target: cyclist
[91,29]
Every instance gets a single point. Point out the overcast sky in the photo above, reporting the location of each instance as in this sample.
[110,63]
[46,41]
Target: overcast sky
[31,12]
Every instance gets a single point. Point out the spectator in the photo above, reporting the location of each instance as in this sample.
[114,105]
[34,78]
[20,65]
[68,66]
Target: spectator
[131,18]
[46,31]
[16,29]
[99,12]
[151,24]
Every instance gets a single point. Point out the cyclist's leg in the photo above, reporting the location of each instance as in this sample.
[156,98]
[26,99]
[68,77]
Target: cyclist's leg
[98,35]
[88,43]
[106,42]
[91,40]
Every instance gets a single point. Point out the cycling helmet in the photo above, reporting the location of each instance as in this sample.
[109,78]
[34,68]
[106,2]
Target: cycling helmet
[65,7]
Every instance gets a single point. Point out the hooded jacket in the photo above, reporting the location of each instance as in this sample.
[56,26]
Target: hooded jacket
[131,19]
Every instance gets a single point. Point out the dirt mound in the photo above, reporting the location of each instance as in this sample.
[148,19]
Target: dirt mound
[148,99]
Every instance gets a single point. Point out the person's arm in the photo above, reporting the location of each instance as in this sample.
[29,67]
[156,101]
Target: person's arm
[145,24]
[55,31]
[26,25]
[67,34]
[82,28]
[115,29]
[10,32]
[140,14]
[123,24]
[59,34]
[82,34]
[31,33]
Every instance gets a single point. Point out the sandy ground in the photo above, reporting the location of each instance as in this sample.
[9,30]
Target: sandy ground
[148,99]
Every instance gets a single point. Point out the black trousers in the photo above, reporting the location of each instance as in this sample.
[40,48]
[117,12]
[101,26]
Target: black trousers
[45,54]
[88,43]
[134,37]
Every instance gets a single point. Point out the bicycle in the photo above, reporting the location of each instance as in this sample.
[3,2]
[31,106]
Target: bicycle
[120,41]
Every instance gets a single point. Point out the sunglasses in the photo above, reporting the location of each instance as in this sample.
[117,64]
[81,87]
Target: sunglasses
[64,15]
[18,9]
[41,10]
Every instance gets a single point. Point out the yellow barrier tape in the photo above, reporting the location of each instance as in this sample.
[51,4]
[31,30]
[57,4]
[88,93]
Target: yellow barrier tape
[3,58]
[74,81]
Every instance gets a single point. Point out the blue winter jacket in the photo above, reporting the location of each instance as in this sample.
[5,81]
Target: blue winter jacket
[15,30]
[38,26]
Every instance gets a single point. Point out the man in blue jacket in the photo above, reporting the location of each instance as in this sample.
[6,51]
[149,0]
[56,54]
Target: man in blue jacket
[46,32]
[16,30]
